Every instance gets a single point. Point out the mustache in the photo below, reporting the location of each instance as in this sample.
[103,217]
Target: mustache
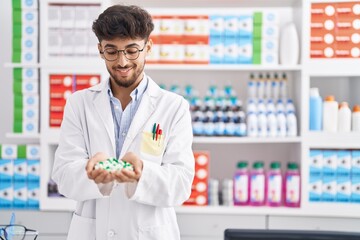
[120,67]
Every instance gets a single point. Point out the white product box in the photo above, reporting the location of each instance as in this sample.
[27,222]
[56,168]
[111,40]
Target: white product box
[54,16]
[154,55]
[343,193]
[92,48]
[329,162]
[245,50]
[81,17]
[32,151]
[355,189]
[196,53]
[157,23]
[269,58]
[9,151]
[30,113]
[33,170]
[30,74]
[29,57]
[172,26]
[29,31]
[315,162]
[20,170]
[29,4]
[6,194]
[196,26]
[246,26]
[355,163]
[270,31]
[20,194]
[343,162]
[30,86]
[33,197]
[172,52]
[67,17]
[329,189]
[81,42]
[30,126]
[6,170]
[93,13]
[30,100]
[29,16]
[270,17]
[29,44]
[67,42]
[216,26]
[217,49]
[315,188]
[54,42]
[230,50]
[231,26]
[270,45]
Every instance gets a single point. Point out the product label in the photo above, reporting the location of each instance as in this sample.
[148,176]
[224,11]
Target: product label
[292,189]
[274,189]
[257,188]
[241,188]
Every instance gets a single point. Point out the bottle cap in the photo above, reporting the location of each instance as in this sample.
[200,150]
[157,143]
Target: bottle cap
[356,108]
[330,98]
[292,166]
[314,92]
[242,164]
[343,105]
[275,165]
[258,165]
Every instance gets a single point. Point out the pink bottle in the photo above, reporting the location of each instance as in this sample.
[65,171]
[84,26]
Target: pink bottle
[241,184]
[257,184]
[292,185]
[274,185]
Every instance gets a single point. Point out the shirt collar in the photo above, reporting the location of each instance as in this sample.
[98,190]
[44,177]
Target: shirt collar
[137,92]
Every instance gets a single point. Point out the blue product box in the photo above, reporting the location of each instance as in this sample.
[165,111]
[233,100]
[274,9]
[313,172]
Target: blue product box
[329,163]
[315,188]
[20,170]
[20,195]
[246,26]
[216,50]
[343,193]
[231,26]
[33,170]
[6,194]
[343,167]
[355,189]
[231,50]
[315,162]
[33,189]
[217,26]
[245,50]
[355,163]
[329,189]
[6,170]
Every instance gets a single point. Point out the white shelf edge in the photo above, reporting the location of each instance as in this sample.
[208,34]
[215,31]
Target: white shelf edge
[222,67]
[23,136]
[227,140]
[57,204]
[22,65]
[330,67]
[332,140]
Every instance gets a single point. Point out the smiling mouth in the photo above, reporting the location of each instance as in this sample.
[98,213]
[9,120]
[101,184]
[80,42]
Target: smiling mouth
[123,70]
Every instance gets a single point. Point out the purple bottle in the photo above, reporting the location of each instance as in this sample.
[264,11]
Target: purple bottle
[274,185]
[292,185]
[257,184]
[241,184]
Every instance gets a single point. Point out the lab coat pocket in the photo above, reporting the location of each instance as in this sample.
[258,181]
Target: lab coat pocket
[81,228]
[151,145]
[157,232]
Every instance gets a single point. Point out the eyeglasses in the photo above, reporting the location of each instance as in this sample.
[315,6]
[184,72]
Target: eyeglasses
[16,232]
[131,53]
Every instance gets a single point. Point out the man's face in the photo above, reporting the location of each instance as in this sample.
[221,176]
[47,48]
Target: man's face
[125,70]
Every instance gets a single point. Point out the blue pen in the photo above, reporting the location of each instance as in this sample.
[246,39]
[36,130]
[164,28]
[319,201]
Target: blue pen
[154,131]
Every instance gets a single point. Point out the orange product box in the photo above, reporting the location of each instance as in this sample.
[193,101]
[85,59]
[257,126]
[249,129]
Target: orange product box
[86,81]
[171,53]
[323,11]
[55,119]
[60,92]
[322,50]
[322,38]
[347,31]
[57,104]
[197,53]
[156,21]
[198,199]
[349,10]
[196,26]
[347,50]
[323,25]
[65,80]
[171,26]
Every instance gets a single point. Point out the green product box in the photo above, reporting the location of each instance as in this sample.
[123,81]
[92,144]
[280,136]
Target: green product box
[17,18]
[257,45]
[256,58]
[258,18]
[21,151]
[18,114]
[17,74]
[17,86]
[16,4]
[0,151]
[16,57]
[16,44]
[18,101]
[17,30]
[17,128]
[257,31]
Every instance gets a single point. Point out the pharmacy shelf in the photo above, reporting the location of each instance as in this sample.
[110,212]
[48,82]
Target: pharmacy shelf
[223,67]
[35,137]
[22,65]
[327,140]
[318,209]
[333,67]
[228,140]
[57,204]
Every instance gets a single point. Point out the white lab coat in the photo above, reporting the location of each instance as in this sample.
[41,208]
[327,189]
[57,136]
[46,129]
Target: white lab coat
[142,210]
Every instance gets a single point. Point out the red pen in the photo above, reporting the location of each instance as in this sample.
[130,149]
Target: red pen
[157,132]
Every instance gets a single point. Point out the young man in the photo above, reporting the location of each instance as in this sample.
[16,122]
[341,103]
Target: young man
[131,118]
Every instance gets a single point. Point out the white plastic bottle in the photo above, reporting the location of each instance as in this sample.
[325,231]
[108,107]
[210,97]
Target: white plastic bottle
[252,124]
[280,106]
[330,114]
[261,107]
[284,86]
[290,46]
[344,118]
[251,105]
[268,94]
[291,124]
[356,118]
[262,124]
[271,124]
[261,87]
[281,124]
[270,106]
[289,107]
[252,87]
[275,87]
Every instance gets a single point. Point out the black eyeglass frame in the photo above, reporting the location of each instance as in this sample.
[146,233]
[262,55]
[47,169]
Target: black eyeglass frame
[4,227]
[124,52]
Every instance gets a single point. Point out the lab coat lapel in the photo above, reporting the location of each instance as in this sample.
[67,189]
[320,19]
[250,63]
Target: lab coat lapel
[146,108]
[102,106]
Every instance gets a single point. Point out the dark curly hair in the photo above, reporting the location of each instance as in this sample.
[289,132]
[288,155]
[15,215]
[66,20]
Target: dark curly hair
[121,21]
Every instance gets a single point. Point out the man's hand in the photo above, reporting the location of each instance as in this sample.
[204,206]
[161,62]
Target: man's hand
[125,175]
[98,175]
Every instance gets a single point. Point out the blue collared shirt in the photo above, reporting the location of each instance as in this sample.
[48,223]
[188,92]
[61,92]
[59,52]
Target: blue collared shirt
[122,118]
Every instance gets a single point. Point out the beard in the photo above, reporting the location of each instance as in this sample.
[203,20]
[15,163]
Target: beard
[129,80]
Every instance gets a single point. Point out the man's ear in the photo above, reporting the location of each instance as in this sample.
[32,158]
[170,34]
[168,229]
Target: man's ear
[149,46]
[100,49]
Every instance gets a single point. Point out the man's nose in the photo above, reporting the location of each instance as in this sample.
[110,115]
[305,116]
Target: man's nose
[122,60]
